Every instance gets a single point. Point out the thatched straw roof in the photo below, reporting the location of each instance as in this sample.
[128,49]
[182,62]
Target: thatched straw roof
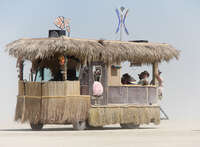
[92,50]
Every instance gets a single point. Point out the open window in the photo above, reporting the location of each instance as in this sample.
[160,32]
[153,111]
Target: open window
[43,75]
[73,68]
[57,68]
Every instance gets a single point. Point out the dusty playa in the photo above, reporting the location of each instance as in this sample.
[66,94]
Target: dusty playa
[168,134]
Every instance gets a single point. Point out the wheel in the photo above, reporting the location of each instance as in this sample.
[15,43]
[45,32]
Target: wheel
[80,125]
[95,128]
[129,126]
[92,127]
[36,127]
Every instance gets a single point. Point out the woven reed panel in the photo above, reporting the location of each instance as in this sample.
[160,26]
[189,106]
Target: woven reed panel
[72,87]
[84,90]
[61,88]
[21,88]
[33,89]
[152,95]
[53,89]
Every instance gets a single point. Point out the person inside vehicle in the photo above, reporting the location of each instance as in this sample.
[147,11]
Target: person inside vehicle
[128,80]
[143,76]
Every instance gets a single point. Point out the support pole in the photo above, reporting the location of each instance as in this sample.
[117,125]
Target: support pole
[21,69]
[42,73]
[65,70]
[155,72]
[121,30]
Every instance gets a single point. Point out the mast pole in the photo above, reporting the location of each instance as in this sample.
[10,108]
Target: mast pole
[121,30]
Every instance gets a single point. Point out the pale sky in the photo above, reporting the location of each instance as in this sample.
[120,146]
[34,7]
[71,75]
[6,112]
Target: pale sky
[175,22]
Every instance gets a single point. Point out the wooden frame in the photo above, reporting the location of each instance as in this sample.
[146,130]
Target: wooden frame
[114,80]
[154,72]
[104,81]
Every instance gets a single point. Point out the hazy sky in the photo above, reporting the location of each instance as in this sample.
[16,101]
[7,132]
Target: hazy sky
[175,22]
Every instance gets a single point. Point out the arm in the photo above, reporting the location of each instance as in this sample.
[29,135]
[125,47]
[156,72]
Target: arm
[159,79]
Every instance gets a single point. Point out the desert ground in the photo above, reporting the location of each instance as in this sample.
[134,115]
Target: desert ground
[167,134]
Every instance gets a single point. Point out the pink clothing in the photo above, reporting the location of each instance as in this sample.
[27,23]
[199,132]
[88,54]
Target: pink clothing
[161,82]
[160,88]
[97,89]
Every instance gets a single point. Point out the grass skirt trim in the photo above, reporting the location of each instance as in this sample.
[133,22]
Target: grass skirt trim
[52,110]
[100,116]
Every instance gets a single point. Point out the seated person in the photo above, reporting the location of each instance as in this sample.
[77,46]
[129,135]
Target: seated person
[71,75]
[127,79]
[57,75]
[143,76]
[72,68]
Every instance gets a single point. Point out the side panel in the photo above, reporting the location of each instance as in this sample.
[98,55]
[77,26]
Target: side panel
[139,95]
[117,95]
[84,81]
[153,95]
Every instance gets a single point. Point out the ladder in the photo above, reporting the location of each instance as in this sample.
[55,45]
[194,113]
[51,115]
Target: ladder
[164,114]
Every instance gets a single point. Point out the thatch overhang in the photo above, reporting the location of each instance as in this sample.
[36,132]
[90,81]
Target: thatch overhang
[92,50]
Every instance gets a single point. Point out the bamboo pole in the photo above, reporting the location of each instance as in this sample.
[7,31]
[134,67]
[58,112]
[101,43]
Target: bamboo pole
[21,70]
[65,70]
[155,72]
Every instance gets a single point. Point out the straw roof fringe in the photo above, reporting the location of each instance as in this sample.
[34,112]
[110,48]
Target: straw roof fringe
[92,50]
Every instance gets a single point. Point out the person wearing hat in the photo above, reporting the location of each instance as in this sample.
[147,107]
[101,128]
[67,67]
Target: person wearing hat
[143,76]
[127,79]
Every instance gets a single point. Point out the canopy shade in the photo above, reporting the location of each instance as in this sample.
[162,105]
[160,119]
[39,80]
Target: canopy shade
[92,50]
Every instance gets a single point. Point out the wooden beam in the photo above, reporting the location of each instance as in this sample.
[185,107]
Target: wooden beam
[64,70]
[154,72]
[21,69]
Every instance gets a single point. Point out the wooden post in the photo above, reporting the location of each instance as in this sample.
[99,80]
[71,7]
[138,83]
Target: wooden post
[31,71]
[21,69]
[90,66]
[42,73]
[154,72]
[65,70]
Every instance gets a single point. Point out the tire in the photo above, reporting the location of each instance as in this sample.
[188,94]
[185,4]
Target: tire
[80,125]
[93,128]
[36,127]
[129,126]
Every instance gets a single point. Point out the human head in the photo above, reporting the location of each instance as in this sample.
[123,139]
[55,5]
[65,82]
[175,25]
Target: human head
[146,74]
[159,72]
[143,75]
[127,79]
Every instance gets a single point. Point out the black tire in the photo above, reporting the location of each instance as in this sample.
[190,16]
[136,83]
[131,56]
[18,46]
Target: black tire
[93,128]
[36,127]
[80,125]
[129,126]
